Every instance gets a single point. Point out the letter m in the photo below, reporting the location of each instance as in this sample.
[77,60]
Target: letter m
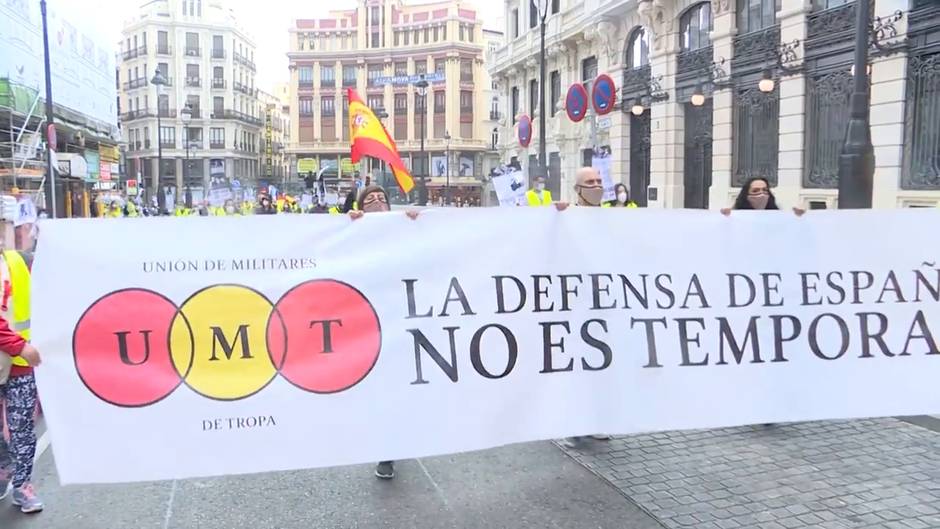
[218,338]
[737,350]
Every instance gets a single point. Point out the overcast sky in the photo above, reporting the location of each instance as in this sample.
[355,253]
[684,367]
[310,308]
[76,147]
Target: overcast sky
[268,22]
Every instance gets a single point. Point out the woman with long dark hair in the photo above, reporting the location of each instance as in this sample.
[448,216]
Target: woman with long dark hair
[756,194]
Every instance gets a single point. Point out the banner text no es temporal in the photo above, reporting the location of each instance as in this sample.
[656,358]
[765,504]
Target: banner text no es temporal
[682,319]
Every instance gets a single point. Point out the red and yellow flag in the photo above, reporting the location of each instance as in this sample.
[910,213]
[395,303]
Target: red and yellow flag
[369,138]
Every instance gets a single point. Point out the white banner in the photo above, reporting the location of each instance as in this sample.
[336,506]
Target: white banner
[191,353]
[510,188]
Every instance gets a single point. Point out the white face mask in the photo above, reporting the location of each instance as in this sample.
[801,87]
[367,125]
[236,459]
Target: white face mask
[539,187]
[621,196]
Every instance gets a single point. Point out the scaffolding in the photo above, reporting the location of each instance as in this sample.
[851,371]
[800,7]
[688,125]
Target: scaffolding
[22,151]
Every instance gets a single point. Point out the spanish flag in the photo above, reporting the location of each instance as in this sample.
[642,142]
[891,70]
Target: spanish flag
[369,138]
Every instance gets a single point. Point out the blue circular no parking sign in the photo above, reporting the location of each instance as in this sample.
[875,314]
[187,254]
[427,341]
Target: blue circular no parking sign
[603,94]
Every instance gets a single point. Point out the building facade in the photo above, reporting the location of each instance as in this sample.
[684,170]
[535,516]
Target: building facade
[381,48]
[275,166]
[206,119]
[712,93]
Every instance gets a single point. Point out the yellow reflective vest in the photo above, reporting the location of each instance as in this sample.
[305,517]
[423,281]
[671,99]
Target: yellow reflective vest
[20,293]
[532,197]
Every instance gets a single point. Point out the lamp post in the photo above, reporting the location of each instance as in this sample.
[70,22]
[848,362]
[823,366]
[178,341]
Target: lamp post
[50,113]
[542,6]
[186,115]
[857,160]
[422,86]
[159,81]
[447,167]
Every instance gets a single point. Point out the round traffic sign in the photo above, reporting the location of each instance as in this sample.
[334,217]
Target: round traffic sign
[603,94]
[525,131]
[576,103]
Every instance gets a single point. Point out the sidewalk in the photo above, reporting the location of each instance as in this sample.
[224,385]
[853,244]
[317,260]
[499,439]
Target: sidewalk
[871,474]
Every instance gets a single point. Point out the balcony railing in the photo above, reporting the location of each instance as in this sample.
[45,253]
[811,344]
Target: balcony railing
[135,83]
[193,144]
[349,82]
[137,114]
[245,61]
[218,83]
[305,85]
[136,52]
[245,89]
[494,115]
[218,53]
[167,112]
[168,144]
[194,81]
[194,113]
[236,115]
[216,144]
[146,144]
[193,51]
[327,83]
[165,50]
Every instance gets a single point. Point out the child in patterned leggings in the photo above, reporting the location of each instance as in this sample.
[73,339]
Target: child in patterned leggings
[18,393]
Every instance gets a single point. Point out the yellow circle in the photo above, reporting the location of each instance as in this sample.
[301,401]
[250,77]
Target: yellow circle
[219,345]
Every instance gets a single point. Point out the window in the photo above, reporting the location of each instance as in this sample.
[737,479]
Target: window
[555,91]
[427,35]
[462,33]
[420,102]
[305,76]
[375,40]
[218,72]
[514,103]
[218,106]
[168,136]
[192,44]
[466,70]
[533,14]
[162,45]
[439,65]
[327,76]
[827,116]
[437,34]
[694,27]
[163,104]
[921,168]
[421,67]
[466,102]
[218,47]
[192,101]
[327,108]
[556,7]
[756,117]
[754,15]
[406,37]
[192,75]
[638,49]
[306,106]
[589,69]
[440,101]
[514,23]
[401,68]
[819,5]
[349,75]
[374,72]
[401,104]
[533,96]
[376,102]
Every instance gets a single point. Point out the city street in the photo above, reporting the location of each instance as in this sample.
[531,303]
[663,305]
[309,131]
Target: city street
[869,474]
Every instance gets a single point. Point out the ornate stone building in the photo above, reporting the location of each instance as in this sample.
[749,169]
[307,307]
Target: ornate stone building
[715,92]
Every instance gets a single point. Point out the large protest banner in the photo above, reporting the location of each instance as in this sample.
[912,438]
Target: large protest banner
[211,346]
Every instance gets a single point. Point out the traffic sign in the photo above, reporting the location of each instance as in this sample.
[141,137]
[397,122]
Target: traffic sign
[576,103]
[604,123]
[603,94]
[525,131]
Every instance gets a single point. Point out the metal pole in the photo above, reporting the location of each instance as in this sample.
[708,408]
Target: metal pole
[447,174]
[50,114]
[543,162]
[857,161]
[158,189]
[424,110]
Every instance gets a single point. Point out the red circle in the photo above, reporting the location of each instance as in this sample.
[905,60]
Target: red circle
[132,375]
[355,336]
[610,100]
[576,102]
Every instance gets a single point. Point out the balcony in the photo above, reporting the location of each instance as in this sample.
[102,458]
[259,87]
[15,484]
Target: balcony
[194,113]
[328,84]
[166,49]
[168,144]
[305,85]
[349,82]
[140,82]
[236,115]
[193,51]
[166,112]
[137,114]
[494,115]
[218,83]
[146,144]
[245,89]
[244,61]
[194,82]
[134,53]
[218,53]
[216,144]
[193,144]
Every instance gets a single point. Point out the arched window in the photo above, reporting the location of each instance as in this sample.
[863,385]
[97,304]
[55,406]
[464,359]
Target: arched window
[638,48]
[694,27]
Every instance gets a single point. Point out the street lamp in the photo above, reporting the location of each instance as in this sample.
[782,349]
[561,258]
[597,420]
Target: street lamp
[50,112]
[447,167]
[159,81]
[857,160]
[186,115]
[422,86]
[766,84]
[542,6]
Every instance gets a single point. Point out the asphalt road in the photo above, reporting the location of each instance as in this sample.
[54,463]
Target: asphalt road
[522,486]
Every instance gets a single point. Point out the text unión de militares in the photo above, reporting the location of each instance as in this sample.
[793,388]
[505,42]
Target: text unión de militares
[840,306]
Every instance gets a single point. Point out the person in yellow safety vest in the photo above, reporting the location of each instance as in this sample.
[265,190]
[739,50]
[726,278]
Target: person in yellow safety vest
[623,198]
[132,209]
[181,211]
[115,211]
[228,208]
[247,208]
[538,195]
[279,204]
[18,389]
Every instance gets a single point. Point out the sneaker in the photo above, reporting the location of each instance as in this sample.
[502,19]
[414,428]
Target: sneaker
[5,483]
[25,498]
[385,470]
[601,437]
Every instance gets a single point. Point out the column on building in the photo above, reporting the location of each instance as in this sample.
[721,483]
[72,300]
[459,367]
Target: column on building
[569,134]
[609,45]
[888,89]
[666,119]
[790,164]
[720,192]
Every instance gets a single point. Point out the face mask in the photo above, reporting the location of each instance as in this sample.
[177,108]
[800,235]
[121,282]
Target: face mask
[592,195]
[375,207]
[622,197]
[758,201]
[230,209]
[540,187]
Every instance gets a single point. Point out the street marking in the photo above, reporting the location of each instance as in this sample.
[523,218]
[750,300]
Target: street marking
[436,486]
[169,506]
[42,445]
